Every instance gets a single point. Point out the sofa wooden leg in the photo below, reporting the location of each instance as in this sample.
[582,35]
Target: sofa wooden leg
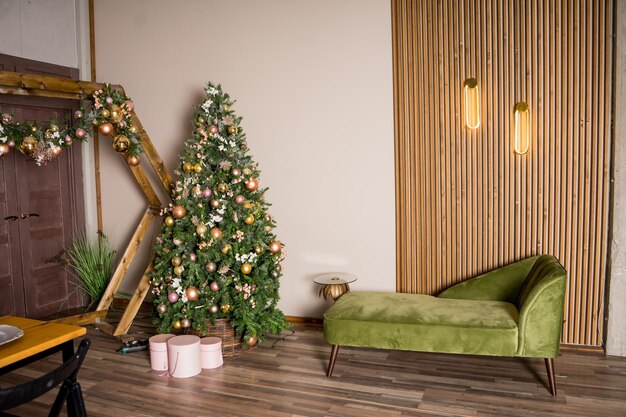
[551,378]
[331,362]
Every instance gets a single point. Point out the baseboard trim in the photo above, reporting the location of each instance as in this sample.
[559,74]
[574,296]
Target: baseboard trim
[304,320]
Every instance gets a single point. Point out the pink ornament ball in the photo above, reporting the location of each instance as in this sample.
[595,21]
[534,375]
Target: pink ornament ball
[240,199]
[172,297]
[214,286]
[109,100]
[68,140]
[11,144]
[213,129]
[207,192]
[80,133]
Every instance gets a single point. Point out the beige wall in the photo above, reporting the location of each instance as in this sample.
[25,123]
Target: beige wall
[313,82]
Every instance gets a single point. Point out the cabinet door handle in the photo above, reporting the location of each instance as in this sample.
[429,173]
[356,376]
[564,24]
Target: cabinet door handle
[11,218]
[26,216]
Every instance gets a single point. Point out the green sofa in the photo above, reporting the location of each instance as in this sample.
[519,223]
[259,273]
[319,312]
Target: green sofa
[514,311]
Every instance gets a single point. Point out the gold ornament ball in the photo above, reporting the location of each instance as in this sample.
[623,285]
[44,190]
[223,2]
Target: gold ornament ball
[54,128]
[215,203]
[48,134]
[225,308]
[161,308]
[226,248]
[28,145]
[178,270]
[201,120]
[105,113]
[275,246]
[185,323]
[4,149]
[201,229]
[176,260]
[192,293]
[226,107]
[133,129]
[213,309]
[177,325]
[197,168]
[169,221]
[248,204]
[247,171]
[56,151]
[187,166]
[252,341]
[232,129]
[222,187]
[252,184]
[211,267]
[106,129]
[133,160]
[274,274]
[258,250]
[249,219]
[235,172]
[94,122]
[116,113]
[121,143]
[179,212]
[216,233]
[268,228]
[246,268]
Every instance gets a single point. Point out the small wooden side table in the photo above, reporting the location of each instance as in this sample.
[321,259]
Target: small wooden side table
[334,284]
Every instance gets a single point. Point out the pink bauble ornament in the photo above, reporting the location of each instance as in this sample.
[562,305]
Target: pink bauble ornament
[109,100]
[69,140]
[56,151]
[207,192]
[177,241]
[240,199]
[213,129]
[172,297]
[252,341]
[193,257]
[214,286]
[106,129]
[80,133]
[275,246]
[252,184]
[11,144]
[192,293]
[213,309]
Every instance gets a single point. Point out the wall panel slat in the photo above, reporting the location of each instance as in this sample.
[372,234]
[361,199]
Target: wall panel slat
[465,202]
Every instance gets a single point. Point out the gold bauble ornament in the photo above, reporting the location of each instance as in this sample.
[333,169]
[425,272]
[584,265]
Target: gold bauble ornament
[48,134]
[116,113]
[201,120]
[226,248]
[161,308]
[169,221]
[95,122]
[29,145]
[232,129]
[246,268]
[56,151]
[176,260]
[185,323]
[178,270]
[249,219]
[54,128]
[275,246]
[201,229]
[268,228]
[258,250]
[252,184]
[252,341]
[4,149]
[121,143]
[248,204]
[177,325]
[216,233]
[106,129]
[247,171]
[225,308]
[187,166]
[235,172]
[222,187]
[105,113]
[133,129]
[215,203]
[226,107]
[179,212]
[211,267]
[192,293]
[197,168]
[133,160]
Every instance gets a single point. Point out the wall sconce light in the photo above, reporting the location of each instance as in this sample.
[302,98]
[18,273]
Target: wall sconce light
[522,128]
[472,103]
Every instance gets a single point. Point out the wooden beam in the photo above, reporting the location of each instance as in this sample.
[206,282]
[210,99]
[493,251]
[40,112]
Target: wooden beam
[135,301]
[35,82]
[145,185]
[127,258]
[153,155]
[82,319]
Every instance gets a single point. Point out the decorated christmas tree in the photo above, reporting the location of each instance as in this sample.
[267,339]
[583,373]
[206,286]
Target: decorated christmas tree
[217,256]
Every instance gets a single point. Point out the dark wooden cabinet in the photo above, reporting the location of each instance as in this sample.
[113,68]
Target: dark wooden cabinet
[41,209]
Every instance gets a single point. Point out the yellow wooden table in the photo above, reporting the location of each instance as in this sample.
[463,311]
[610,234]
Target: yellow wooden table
[40,338]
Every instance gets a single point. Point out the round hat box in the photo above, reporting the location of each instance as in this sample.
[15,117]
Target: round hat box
[211,352]
[158,351]
[183,353]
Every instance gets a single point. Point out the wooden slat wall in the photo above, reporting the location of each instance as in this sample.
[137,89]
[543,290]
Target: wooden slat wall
[465,202]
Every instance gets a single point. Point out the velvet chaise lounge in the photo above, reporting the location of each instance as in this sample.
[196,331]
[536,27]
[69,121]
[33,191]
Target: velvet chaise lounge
[513,311]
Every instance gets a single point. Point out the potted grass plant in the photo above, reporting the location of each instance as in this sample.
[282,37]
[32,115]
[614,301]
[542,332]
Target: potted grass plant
[92,262]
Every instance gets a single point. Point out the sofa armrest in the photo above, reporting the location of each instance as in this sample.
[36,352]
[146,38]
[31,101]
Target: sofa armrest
[502,284]
[541,310]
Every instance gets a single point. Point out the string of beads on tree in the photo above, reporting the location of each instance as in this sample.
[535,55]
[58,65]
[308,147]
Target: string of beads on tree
[111,114]
[217,256]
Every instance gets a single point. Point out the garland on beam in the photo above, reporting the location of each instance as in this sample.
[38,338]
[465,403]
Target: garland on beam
[111,114]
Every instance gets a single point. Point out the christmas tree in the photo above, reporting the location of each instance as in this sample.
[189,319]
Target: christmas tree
[217,256]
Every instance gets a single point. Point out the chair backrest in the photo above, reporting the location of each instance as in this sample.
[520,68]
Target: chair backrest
[21,394]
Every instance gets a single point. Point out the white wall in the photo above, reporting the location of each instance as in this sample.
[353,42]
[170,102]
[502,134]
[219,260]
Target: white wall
[313,80]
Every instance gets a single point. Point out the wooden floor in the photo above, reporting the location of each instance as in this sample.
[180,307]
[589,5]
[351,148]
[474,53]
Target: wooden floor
[288,379]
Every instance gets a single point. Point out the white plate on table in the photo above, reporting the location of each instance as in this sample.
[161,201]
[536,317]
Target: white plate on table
[9,333]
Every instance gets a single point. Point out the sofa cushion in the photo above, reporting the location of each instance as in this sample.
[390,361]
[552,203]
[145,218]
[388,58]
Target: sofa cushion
[422,323]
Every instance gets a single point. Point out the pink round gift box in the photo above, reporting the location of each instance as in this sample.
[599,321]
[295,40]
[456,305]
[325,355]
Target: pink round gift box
[158,351]
[211,352]
[183,354]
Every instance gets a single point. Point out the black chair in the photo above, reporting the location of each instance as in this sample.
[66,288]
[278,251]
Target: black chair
[70,390]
